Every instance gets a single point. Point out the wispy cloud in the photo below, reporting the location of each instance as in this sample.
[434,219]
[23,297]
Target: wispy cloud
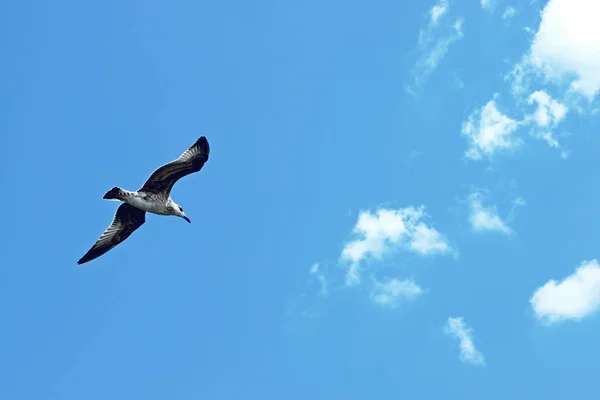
[508,13]
[379,232]
[489,131]
[549,111]
[434,41]
[517,202]
[487,5]
[574,298]
[456,327]
[485,218]
[458,82]
[315,270]
[548,114]
[437,11]
[392,292]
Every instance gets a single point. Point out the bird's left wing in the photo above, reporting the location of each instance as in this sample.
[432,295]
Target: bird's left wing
[192,160]
[126,220]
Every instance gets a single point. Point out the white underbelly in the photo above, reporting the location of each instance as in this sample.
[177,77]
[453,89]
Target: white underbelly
[142,203]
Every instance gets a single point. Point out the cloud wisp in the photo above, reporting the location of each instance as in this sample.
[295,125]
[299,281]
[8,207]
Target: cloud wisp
[315,271]
[457,329]
[434,42]
[391,292]
[488,5]
[509,13]
[548,114]
[437,11]
[485,218]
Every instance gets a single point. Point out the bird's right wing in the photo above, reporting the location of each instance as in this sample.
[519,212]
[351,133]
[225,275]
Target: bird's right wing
[127,219]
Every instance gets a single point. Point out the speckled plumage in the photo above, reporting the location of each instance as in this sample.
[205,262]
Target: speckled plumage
[154,197]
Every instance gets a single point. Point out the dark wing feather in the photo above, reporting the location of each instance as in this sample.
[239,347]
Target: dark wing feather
[127,219]
[192,160]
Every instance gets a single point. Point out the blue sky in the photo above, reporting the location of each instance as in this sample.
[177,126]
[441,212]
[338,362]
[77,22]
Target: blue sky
[400,200]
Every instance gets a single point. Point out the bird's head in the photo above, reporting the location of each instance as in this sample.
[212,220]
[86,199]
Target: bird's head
[178,211]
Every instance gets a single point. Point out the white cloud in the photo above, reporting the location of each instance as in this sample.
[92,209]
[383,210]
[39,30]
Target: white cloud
[519,77]
[566,47]
[509,12]
[489,131]
[391,292]
[456,327]
[315,270]
[433,53]
[487,5]
[438,10]
[550,139]
[426,240]
[484,218]
[387,229]
[434,42]
[549,111]
[548,114]
[519,201]
[574,298]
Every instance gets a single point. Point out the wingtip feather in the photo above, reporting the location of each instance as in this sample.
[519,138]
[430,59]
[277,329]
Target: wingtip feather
[203,144]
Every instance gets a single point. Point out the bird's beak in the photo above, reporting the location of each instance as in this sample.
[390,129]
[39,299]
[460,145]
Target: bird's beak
[187,219]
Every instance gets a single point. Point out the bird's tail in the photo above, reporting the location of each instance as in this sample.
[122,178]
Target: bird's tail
[114,194]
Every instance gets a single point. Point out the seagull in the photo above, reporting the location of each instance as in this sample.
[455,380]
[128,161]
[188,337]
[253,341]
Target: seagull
[153,197]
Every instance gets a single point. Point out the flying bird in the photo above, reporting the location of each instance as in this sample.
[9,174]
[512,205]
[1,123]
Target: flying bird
[153,197]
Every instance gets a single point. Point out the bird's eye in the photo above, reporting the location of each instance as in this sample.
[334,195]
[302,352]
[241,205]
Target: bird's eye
[180,209]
